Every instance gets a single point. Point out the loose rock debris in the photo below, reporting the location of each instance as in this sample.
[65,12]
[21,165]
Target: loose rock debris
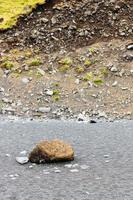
[22,160]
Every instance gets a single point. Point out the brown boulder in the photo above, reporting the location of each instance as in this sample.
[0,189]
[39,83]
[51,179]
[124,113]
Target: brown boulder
[51,151]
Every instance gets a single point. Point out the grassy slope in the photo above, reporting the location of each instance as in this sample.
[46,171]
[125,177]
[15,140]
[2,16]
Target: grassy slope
[10,10]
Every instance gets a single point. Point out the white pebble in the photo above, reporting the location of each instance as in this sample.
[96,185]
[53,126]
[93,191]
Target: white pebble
[31,166]
[57,171]
[75,165]
[68,165]
[22,160]
[23,152]
[74,170]
[114,84]
[7,155]
[46,173]
[25,80]
[49,92]
[106,156]
[84,166]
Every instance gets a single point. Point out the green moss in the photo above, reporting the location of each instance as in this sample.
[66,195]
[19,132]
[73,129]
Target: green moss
[91,50]
[98,81]
[38,75]
[79,69]
[56,84]
[66,61]
[15,75]
[66,64]
[56,95]
[64,68]
[4,58]
[35,62]
[104,71]
[10,10]
[88,76]
[94,61]
[56,98]
[7,65]
[87,62]
[56,92]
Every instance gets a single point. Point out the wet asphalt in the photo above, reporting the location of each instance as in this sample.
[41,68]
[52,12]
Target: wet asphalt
[102,169]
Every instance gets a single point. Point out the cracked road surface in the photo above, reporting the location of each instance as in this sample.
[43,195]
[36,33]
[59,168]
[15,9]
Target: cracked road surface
[102,169]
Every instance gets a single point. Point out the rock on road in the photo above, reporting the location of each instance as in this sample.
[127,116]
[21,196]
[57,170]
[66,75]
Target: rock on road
[102,169]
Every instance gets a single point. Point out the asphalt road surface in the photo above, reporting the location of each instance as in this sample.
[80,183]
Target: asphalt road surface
[102,169]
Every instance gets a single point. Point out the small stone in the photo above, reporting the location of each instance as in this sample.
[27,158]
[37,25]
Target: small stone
[114,84]
[128,57]
[53,20]
[44,109]
[77,81]
[49,92]
[84,166]
[124,88]
[114,69]
[14,178]
[57,171]
[31,166]
[16,175]
[102,114]
[106,156]
[87,193]
[46,172]
[25,80]
[98,178]
[11,176]
[51,151]
[107,161]
[121,73]
[75,165]
[92,121]
[8,155]
[130,46]
[2,89]
[131,71]
[22,160]
[23,153]
[26,68]
[74,170]
[41,72]
[68,165]
[44,20]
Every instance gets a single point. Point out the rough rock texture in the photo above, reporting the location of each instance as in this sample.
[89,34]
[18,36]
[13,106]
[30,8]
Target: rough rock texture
[51,151]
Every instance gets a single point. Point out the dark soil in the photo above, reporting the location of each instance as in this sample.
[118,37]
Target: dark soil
[72,24]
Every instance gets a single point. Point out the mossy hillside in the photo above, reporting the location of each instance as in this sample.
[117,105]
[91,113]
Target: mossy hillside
[10,10]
